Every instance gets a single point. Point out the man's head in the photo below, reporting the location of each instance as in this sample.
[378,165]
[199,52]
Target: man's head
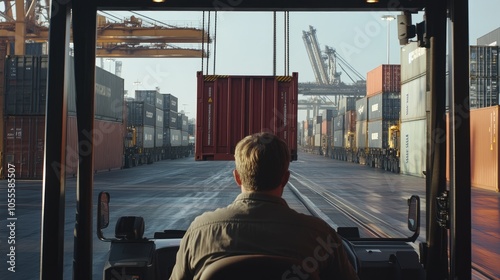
[262,161]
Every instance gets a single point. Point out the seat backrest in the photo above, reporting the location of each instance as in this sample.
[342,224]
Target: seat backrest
[262,267]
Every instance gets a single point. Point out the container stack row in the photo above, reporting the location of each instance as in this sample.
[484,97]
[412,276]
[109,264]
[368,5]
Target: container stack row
[484,76]
[155,130]
[25,94]
[413,130]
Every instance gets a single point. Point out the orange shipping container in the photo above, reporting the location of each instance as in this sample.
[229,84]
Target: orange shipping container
[385,78]
[326,127]
[483,148]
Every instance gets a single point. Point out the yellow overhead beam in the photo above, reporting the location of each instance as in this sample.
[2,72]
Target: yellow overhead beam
[145,53]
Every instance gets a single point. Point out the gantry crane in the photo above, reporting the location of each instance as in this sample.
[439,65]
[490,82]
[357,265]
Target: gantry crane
[328,82]
[128,38]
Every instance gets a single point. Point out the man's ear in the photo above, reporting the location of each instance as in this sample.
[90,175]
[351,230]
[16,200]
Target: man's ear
[285,178]
[237,177]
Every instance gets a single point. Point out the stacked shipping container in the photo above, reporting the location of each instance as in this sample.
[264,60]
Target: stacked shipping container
[24,118]
[484,76]
[413,129]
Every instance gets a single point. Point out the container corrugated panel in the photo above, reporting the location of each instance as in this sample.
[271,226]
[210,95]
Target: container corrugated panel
[362,109]
[184,139]
[175,137]
[159,118]
[350,121]
[145,136]
[413,62]
[232,107]
[158,136]
[109,95]
[26,85]
[484,61]
[108,145]
[338,139]
[191,129]
[326,127]
[24,145]
[413,99]
[170,102]
[338,123]
[152,97]
[347,104]
[386,106]
[179,121]
[140,113]
[170,119]
[317,128]
[484,148]
[361,136]
[185,120]
[378,133]
[385,78]
[484,92]
[413,147]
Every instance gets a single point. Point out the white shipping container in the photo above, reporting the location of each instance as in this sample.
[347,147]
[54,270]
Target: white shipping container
[413,147]
[413,62]
[413,97]
[317,140]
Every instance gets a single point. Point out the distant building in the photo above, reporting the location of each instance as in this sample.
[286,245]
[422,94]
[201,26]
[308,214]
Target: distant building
[490,39]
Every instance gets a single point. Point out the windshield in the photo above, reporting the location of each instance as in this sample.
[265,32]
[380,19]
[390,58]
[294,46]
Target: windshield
[170,188]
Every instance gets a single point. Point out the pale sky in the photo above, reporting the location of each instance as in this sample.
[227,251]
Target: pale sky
[245,46]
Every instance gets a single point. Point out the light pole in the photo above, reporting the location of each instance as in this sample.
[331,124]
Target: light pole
[388,18]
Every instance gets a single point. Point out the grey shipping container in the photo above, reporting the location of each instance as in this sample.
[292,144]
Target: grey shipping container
[152,97]
[386,106]
[362,109]
[184,138]
[158,136]
[413,147]
[185,123]
[140,113]
[484,92]
[484,61]
[327,114]
[338,139]
[338,123]
[413,99]
[347,104]
[175,137]
[26,85]
[169,102]
[109,95]
[413,62]
[159,118]
[378,133]
[170,119]
[361,136]
[192,129]
[145,136]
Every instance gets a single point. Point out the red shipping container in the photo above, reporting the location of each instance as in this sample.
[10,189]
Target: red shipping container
[232,107]
[108,145]
[385,78]
[350,121]
[326,127]
[24,145]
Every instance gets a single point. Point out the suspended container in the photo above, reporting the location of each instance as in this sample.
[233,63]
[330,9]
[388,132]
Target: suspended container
[232,107]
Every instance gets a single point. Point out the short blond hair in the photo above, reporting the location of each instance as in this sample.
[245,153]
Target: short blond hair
[261,159]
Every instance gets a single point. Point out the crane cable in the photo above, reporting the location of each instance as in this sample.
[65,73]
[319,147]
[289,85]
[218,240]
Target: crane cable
[202,39]
[274,43]
[208,44]
[287,43]
[215,40]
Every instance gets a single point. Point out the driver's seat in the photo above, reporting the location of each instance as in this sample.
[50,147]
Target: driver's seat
[261,267]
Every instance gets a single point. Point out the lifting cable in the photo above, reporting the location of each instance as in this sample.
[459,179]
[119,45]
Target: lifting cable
[202,39]
[215,40]
[208,43]
[274,43]
[287,43]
